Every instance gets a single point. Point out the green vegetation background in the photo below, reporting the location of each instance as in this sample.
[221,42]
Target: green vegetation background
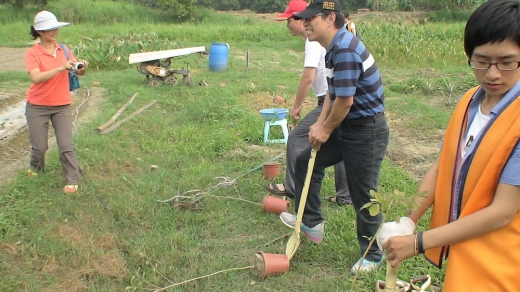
[115,235]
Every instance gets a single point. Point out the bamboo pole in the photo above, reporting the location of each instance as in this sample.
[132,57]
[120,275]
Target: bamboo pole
[116,115]
[391,277]
[116,125]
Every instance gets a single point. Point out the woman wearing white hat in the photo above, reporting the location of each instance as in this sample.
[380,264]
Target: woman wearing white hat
[49,98]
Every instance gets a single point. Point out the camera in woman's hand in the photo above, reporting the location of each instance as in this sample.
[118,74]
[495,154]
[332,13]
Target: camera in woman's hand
[78,66]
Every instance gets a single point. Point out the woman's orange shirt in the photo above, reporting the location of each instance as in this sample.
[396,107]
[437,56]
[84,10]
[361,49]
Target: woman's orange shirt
[55,91]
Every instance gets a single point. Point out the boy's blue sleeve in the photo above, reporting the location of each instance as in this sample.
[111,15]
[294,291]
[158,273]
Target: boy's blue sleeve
[510,174]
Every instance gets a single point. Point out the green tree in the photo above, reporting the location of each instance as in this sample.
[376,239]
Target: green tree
[225,5]
[21,4]
[265,6]
[177,9]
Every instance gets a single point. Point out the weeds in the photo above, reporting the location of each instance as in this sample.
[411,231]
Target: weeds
[449,90]
[429,86]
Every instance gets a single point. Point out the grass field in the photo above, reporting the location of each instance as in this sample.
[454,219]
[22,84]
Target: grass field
[116,235]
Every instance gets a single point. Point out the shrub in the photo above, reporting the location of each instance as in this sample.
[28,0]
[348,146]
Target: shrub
[113,52]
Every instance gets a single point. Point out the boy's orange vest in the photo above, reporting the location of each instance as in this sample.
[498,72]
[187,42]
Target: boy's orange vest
[490,262]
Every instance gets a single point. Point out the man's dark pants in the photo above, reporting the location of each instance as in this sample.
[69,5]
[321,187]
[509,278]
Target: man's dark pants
[297,142]
[362,150]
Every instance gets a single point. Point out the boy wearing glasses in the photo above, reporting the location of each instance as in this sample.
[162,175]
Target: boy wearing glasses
[351,128]
[313,76]
[474,185]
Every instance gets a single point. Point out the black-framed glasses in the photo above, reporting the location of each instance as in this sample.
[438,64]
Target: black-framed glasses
[502,66]
[309,19]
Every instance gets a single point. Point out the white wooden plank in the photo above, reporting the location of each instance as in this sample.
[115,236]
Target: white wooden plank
[157,55]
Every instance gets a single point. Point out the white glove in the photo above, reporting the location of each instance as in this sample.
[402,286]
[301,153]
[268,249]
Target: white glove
[391,229]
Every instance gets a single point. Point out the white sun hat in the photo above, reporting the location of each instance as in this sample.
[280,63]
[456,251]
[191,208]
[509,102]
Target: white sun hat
[45,20]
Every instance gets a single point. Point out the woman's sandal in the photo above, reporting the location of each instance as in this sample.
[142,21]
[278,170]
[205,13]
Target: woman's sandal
[334,199]
[273,189]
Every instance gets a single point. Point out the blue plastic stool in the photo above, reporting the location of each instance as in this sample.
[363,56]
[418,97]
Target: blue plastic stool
[285,130]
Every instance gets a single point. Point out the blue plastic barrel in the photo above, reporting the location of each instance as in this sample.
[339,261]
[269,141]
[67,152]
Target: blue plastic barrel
[218,56]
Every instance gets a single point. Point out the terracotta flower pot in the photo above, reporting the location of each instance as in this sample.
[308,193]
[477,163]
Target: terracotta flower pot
[269,264]
[272,204]
[271,169]
[278,99]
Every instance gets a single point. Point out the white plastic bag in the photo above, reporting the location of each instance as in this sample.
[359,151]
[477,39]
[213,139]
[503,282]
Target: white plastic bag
[391,229]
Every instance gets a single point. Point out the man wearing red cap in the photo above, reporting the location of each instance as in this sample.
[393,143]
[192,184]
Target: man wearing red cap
[313,76]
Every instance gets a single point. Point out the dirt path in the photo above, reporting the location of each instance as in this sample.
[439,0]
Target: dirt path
[13,148]
[12,59]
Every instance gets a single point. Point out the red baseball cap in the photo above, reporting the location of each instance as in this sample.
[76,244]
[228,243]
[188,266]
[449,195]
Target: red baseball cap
[294,7]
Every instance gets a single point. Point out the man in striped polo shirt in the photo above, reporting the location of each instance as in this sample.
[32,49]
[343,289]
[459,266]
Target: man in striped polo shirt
[351,128]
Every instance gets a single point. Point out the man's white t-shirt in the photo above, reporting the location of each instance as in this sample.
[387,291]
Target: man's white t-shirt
[352,25]
[479,122]
[315,58]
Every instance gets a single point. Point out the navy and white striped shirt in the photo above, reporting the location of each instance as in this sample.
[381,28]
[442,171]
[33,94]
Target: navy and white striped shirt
[352,71]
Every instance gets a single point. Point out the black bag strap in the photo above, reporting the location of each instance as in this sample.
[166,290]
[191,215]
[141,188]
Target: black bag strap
[65,50]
